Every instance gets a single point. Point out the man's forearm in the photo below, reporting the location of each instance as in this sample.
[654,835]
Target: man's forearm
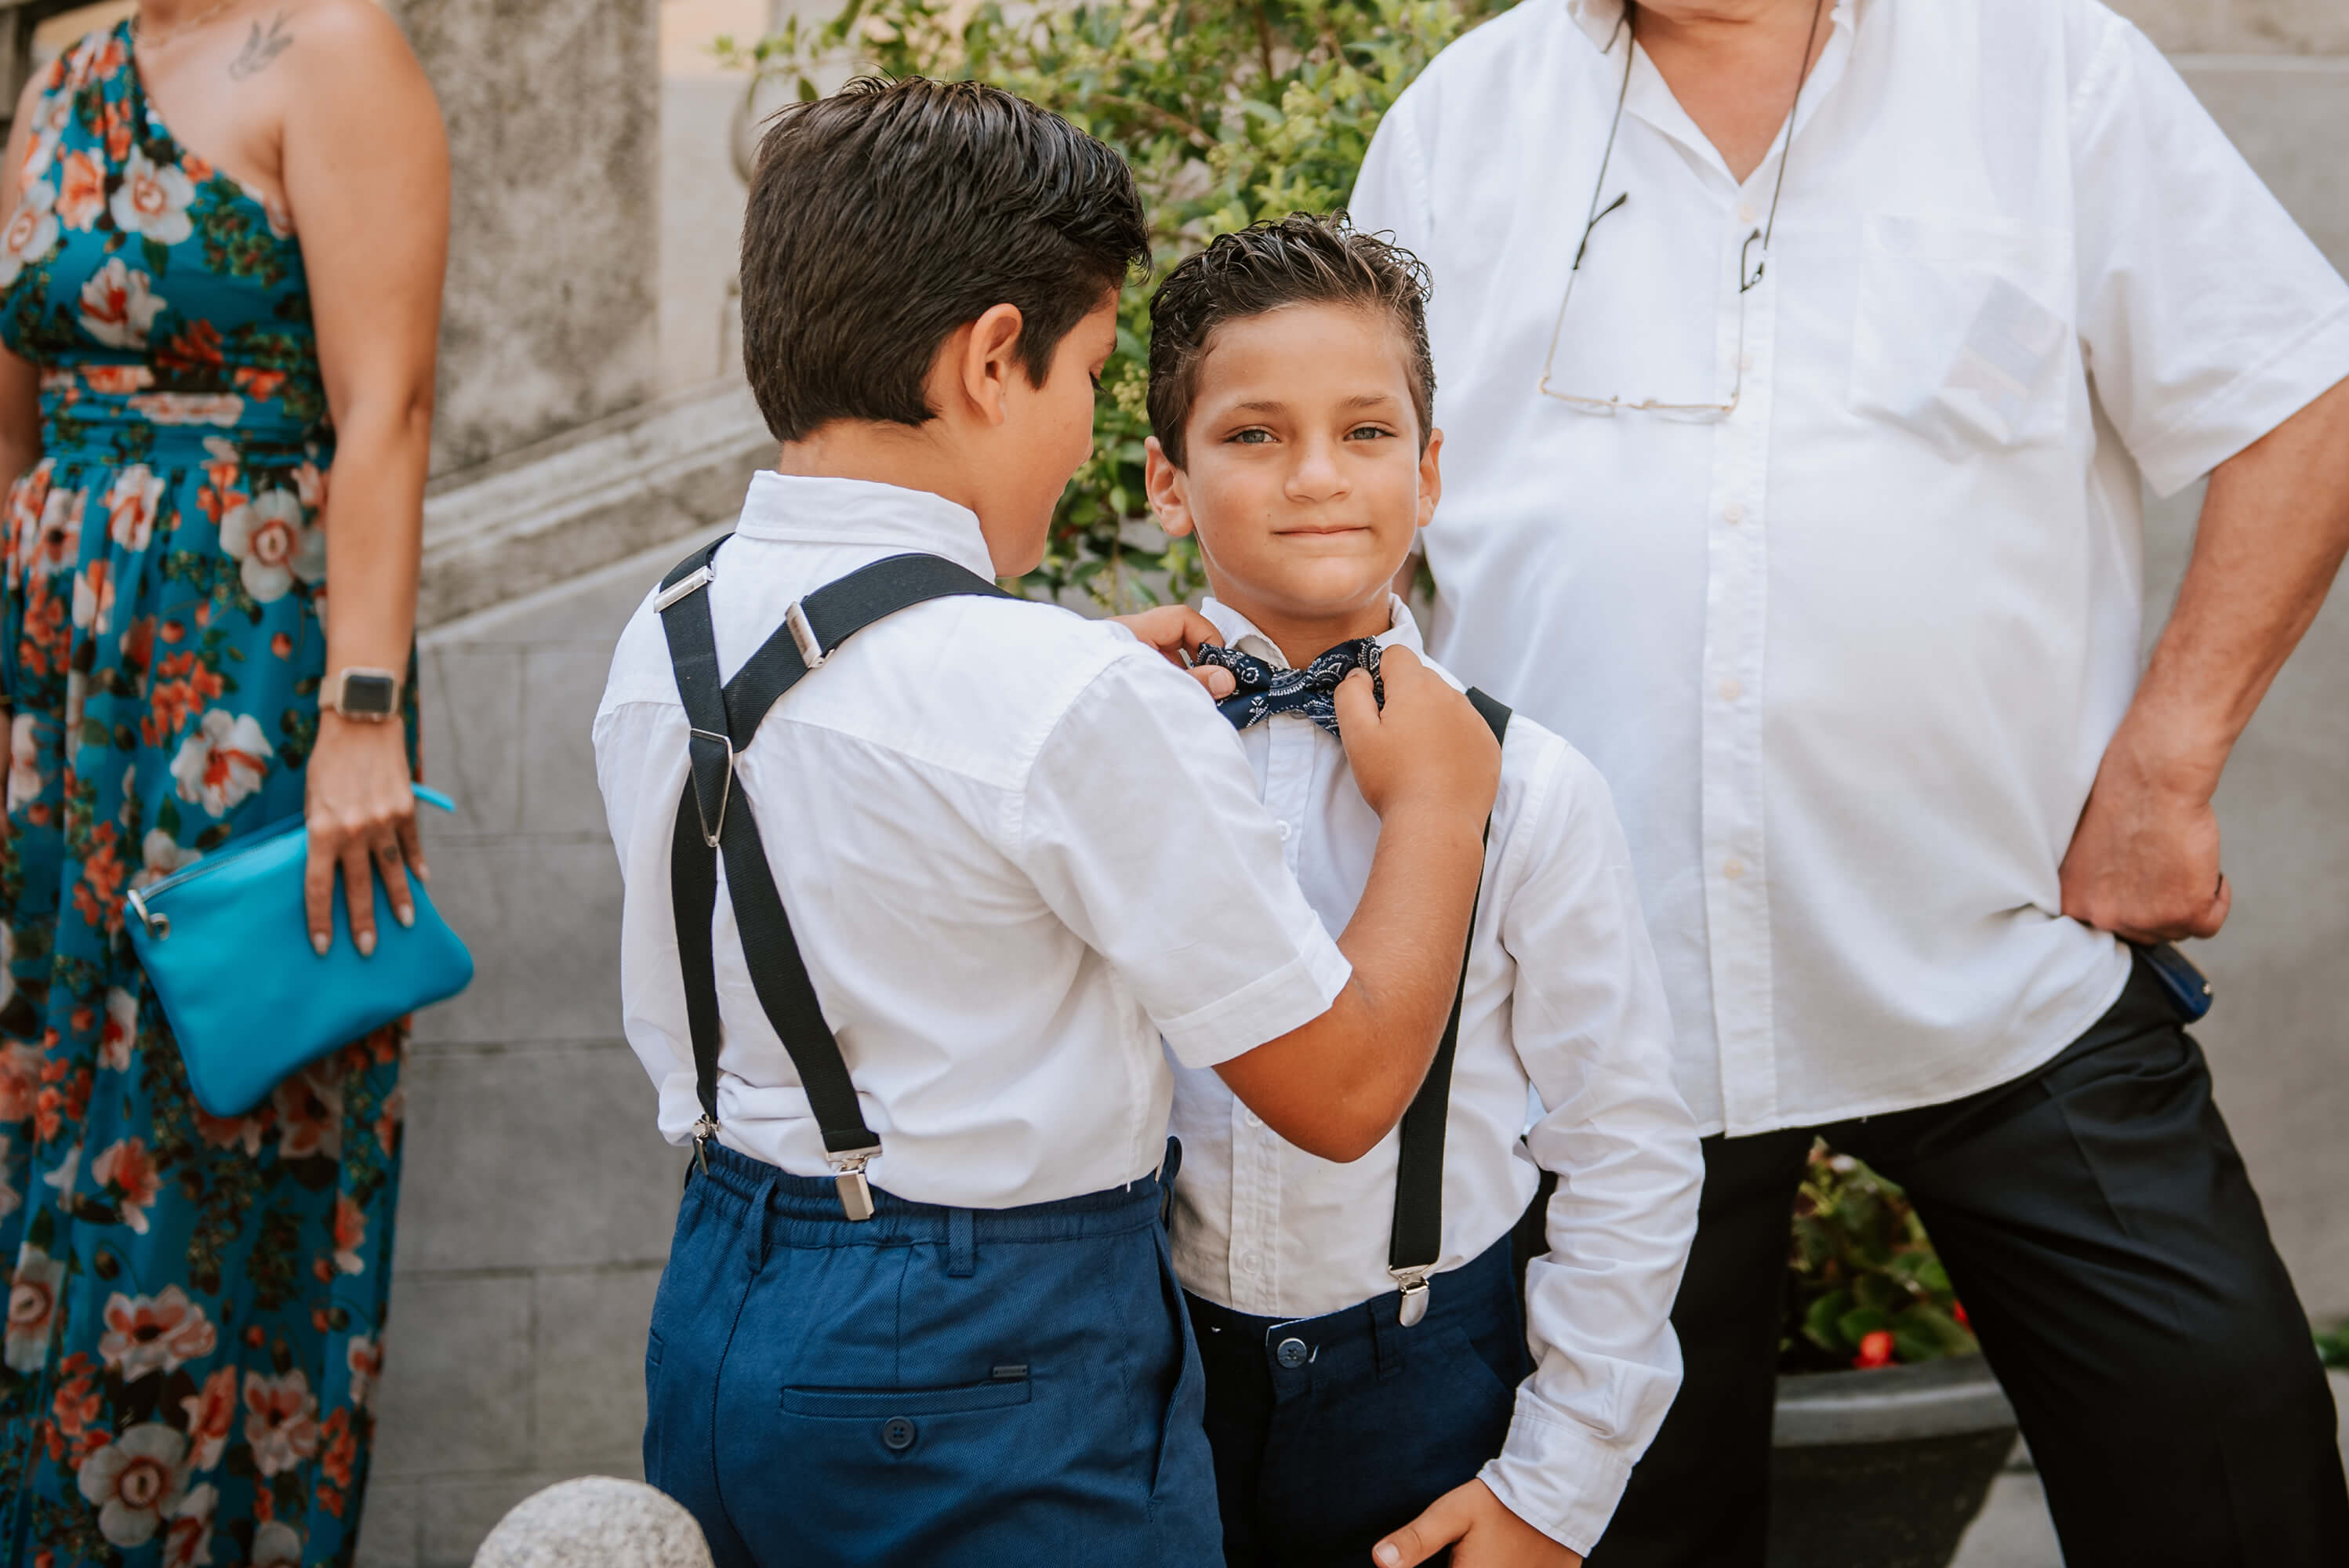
[2274,531]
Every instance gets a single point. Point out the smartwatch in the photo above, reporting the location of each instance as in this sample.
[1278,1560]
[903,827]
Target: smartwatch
[370,697]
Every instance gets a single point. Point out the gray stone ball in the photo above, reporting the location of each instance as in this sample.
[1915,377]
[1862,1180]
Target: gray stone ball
[595,1521]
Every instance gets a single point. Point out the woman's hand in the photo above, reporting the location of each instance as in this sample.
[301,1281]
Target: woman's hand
[362,817]
[1481,1531]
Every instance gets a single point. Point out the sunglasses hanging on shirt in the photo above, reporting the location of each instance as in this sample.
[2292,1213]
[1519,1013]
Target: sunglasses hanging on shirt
[1753,256]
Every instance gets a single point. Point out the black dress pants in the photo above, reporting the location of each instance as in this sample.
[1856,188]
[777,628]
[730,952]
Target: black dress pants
[2100,1228]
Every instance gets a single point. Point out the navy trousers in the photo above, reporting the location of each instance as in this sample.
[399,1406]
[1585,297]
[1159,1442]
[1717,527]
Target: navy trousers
[2101,1229]
[949,1387]
[1329,1432]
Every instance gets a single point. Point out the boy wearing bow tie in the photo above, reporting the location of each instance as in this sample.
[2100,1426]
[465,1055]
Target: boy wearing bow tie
[1369,1393]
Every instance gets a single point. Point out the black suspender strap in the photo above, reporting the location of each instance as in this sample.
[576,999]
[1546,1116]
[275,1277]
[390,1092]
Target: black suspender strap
[712,822]
[1417,1240]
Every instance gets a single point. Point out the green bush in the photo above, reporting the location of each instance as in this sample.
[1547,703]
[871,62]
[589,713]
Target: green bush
[1864,1287]
[1228,112]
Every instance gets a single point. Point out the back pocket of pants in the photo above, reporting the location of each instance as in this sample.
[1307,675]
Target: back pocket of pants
[872,1404]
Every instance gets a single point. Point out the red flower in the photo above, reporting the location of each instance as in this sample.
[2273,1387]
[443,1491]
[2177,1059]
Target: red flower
[1875,1350]
[1957,1311]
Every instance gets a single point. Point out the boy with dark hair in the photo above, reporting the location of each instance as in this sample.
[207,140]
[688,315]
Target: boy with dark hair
[1364,1333]
[976,862]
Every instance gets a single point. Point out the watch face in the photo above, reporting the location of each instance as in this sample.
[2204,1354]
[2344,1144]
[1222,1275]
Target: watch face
[369,695]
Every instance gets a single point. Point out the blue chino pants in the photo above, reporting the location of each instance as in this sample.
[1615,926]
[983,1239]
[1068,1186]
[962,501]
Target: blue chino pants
[1329,1432]
[946,1387]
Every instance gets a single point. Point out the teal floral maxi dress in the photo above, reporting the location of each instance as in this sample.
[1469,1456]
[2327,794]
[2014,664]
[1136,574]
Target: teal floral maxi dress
[195,1316]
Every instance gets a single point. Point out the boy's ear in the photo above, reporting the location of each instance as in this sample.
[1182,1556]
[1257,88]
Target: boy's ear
[1168,488]
[980,360]
[1430,477]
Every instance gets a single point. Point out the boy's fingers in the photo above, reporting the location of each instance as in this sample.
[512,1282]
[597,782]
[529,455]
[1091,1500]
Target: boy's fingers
[1172,629]
[1218,680]
[1357,703]
[1444,1522]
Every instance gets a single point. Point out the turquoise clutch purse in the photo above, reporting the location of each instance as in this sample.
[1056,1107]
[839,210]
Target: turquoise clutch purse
[227,948]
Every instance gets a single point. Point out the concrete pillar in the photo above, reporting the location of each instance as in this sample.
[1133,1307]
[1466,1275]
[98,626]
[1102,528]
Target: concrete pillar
[554,112]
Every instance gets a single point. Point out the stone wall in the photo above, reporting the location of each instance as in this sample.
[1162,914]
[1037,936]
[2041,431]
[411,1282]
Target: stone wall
[553,114]
[538,1200]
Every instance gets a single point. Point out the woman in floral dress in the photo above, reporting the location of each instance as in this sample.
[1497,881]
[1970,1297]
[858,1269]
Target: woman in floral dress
[195,1322]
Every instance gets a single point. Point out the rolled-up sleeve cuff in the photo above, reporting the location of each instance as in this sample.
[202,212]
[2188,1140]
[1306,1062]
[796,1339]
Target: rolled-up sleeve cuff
[1559,1479]
[2249,407]
[1290,997]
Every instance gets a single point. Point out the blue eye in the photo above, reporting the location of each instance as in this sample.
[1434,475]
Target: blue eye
[1371,431]
[1250,437]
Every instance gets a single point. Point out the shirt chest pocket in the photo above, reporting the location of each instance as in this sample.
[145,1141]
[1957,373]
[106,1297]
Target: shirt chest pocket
[1962,331]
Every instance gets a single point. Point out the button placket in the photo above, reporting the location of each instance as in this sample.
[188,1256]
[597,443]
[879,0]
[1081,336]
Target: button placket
[1737,621]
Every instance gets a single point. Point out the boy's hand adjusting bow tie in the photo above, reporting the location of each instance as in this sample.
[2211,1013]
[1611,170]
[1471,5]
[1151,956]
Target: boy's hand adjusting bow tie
[1265,689]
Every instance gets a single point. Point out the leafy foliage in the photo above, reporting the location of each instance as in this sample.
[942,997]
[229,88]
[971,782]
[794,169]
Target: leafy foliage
[2333,1347]
[1861,1266]
[1228,111]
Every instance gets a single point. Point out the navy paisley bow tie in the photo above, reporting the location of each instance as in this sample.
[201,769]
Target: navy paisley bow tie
[1263,689]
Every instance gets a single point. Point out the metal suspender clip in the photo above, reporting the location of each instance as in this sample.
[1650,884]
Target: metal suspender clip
[704,1129]
[811,652]
[856,1194]
[699,578]
[1413,1281]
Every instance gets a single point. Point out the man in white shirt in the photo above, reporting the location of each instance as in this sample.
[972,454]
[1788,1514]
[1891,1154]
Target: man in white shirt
[976,862]
[1364,1330]
[1799,488]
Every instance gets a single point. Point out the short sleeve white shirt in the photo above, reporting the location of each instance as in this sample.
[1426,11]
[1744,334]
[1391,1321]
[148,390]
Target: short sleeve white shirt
[1850,655]
[1016,846]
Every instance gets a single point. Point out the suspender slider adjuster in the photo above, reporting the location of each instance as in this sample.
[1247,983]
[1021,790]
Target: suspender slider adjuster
[803,635]
[704,1129]
[1413,1281]
[691,583]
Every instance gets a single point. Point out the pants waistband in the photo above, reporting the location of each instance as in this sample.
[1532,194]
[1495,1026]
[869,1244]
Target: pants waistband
[804,1211]
[1474,1291]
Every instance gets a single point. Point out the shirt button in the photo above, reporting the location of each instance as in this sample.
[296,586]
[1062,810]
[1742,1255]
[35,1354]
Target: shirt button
[1248,1263]
[898,1434]
[1252,1119]
[1732,513]
[1731,691]
[1290,1353]
[1746,362]
[1284,832]
[1733,869]
[1745,212]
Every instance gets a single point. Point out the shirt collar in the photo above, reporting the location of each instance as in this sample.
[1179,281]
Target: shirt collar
[799,509]
[1240,633]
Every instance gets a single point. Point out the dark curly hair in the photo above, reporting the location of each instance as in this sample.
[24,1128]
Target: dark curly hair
[1302,259]
[885,216]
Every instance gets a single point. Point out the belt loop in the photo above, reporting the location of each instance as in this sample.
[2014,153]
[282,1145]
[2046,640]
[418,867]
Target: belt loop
[762,1203]
[962,1245]
[1386,1340]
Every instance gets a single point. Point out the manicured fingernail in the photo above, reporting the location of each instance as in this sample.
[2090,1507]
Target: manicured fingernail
[1387,1553]
[407,916]
[423,870]
[366,943]
[320,942]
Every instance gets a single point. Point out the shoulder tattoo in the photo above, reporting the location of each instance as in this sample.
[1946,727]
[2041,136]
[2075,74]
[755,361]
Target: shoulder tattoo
[261,48]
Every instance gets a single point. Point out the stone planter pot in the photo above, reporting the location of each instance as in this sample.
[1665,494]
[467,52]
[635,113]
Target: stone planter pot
[1884,1469]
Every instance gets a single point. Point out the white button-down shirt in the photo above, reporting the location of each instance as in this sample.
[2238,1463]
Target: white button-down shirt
[1017,847]
[1563,998]
[1849,657]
